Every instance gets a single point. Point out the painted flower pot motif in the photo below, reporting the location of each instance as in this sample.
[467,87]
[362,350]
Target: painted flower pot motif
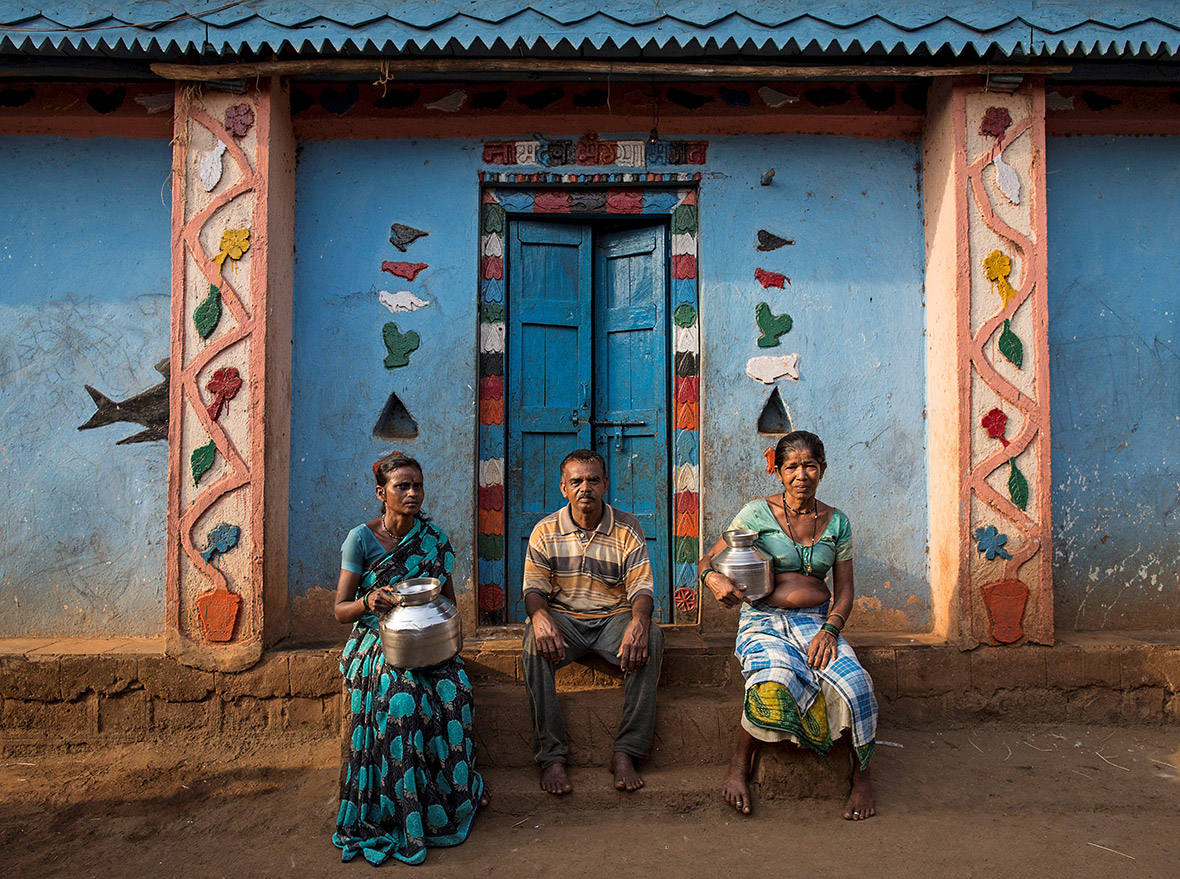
[1005,601]
[217,611]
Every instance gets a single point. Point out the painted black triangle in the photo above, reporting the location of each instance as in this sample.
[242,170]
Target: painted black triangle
[395,421]
[774,415]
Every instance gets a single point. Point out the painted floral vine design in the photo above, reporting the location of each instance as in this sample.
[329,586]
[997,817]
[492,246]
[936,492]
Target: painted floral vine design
[1014,291]
[217,608]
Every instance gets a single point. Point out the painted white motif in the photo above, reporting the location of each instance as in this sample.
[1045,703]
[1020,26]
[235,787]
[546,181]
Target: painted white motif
[402,300]
[774,98]
[768,369]
[1007,180]
[449,104]
[1058,101]
[686,477]
[209,167]
[526,152]
[491,471]
[630,153]
[685,339]
[493,245]
[684,242]
[491,338]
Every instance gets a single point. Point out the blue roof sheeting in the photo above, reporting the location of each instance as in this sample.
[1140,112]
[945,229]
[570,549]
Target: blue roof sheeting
[1013,27]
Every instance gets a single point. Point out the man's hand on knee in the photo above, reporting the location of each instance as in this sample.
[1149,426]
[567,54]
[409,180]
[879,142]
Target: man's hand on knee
[550,642]
[633,651]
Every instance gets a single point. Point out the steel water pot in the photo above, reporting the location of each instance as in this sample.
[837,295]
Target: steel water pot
[424,629]
[745,563]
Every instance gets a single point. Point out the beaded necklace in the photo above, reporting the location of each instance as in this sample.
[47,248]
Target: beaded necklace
[804,560]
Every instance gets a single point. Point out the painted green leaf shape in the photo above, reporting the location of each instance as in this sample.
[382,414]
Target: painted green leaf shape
[202,460]
[400,345]
[684,549]
[1017,485]
[493,218]
[207,315]
[1011,347]
[684,315]
[684,219]
[492,313]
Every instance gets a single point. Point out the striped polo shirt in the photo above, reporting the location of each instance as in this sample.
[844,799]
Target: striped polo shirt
[596,578]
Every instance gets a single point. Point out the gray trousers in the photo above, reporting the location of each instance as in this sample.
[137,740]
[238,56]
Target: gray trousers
[604,637]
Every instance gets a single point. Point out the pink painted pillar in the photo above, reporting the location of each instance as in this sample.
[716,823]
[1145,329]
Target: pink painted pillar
[233,188]
[988,368]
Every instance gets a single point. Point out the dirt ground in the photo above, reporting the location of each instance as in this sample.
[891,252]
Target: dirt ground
[1002,800]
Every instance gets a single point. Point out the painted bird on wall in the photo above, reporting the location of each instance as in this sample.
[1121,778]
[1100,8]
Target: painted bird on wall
[771,325]
[149,408]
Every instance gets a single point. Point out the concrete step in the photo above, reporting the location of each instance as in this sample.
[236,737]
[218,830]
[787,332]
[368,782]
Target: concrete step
[694,726]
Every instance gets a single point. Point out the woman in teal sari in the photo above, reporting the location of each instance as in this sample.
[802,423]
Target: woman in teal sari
[411,779]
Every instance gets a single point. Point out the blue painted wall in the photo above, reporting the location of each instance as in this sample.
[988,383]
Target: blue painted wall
[84,299]
[856,297]
[853,207]
[347,195]
[1114,260]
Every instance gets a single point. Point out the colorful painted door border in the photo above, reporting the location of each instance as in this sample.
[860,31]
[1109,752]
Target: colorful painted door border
[643,194]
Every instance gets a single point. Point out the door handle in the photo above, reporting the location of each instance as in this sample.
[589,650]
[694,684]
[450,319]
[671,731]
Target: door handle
[618,423]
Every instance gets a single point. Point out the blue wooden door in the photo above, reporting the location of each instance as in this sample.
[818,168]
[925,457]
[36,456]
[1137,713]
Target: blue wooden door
[587,367]
[630,421]
[549,359]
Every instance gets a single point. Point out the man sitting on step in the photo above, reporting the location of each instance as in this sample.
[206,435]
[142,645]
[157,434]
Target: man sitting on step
[588,589]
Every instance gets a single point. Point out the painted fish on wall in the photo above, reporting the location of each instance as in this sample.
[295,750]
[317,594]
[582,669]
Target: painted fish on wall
[149,408]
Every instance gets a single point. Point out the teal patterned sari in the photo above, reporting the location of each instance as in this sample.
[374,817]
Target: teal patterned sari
[411,780]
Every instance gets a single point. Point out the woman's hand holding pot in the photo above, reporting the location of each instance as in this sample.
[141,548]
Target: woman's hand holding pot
[724,589]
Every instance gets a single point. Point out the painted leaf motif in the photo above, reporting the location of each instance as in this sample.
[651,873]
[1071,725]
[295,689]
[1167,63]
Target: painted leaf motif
[684,219]
[202,460]
[207,315]
[1017,485]
[1007,179]
[493,218]
[1011,346]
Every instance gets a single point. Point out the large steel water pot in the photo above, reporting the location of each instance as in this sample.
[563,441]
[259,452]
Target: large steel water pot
[745,563]
[424,629]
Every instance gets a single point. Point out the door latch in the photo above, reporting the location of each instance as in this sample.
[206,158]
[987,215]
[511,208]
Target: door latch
[615,429]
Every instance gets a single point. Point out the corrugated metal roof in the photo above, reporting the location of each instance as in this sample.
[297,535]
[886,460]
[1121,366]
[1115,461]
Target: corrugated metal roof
[159,28]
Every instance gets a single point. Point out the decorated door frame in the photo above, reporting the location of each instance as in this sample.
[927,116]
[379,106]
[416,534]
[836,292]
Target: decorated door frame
[670,196]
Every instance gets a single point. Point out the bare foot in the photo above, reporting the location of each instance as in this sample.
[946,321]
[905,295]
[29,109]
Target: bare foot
[485,799]
[626,777]
[735,788]
[860,802]
[554,780]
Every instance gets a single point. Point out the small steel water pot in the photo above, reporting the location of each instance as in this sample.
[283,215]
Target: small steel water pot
[424,629]
[745,563]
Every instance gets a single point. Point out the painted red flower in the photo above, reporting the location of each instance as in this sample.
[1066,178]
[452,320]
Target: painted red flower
[995,122]
[685,598]
[238,119]
[224,385]
[995,422]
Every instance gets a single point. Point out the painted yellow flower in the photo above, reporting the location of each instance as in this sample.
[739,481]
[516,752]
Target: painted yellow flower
[234,243]
[998,266]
